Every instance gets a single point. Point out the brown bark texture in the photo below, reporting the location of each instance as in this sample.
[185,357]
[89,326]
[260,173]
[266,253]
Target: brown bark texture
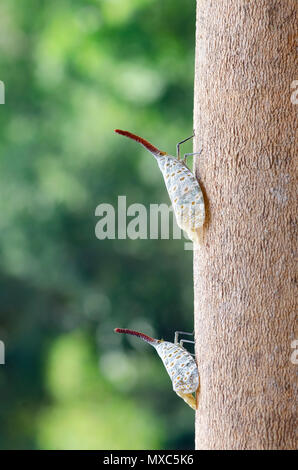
[244,272]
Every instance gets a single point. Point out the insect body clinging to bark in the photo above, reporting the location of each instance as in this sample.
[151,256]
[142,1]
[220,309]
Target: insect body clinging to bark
[179,363]
[183,188]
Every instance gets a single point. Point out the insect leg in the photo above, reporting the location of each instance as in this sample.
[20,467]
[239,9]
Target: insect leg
[182,142]
[180,343]
[177,333]
[190,155]
[187,341]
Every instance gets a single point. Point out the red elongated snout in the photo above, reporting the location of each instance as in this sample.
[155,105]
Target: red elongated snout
[142,141]
[144,337]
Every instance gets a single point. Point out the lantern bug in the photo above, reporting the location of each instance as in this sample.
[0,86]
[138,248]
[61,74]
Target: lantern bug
[179,363]
[183,188]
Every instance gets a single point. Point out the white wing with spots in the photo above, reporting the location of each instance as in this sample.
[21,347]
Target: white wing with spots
[185,194]
[183,188]
[180,366]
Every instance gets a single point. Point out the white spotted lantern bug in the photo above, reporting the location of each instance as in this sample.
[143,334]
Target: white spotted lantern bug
[183,188]
[179,363]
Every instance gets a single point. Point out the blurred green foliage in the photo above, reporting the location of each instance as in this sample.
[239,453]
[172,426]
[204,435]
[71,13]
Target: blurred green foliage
[74,70]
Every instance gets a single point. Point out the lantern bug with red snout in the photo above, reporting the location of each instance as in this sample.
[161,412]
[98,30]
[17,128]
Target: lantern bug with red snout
[179,363]
[183,188]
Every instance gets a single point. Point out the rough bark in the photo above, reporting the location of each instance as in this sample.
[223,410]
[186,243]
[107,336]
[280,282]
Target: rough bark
[244,273]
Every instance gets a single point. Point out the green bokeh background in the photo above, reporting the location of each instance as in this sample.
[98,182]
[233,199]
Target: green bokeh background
[74,70]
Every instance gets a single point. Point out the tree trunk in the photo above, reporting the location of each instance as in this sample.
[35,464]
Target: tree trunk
[244,270]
